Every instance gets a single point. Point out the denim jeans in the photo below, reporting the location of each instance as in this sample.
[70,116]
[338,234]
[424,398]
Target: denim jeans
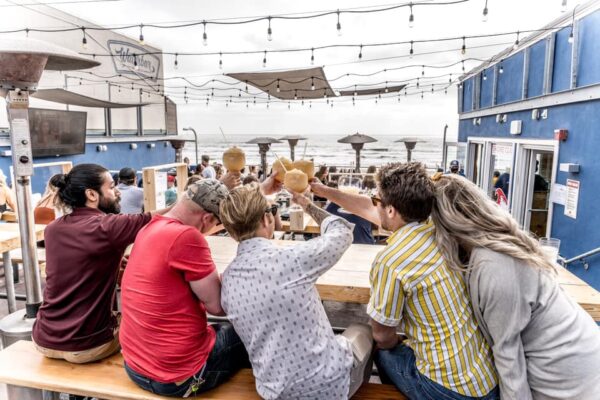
[398,366]
[227,357]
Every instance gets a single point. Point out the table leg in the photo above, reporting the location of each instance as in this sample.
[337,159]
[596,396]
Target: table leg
[9,282]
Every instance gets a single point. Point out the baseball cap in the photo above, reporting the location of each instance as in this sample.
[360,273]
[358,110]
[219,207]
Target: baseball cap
[208,194]
[454,163]
[127,174]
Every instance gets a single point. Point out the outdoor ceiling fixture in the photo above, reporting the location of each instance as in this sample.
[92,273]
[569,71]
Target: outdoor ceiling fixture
[22,62]
[296,84]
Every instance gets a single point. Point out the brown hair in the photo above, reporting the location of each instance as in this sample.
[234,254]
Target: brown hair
[242,211]
[192,179]
[407,188]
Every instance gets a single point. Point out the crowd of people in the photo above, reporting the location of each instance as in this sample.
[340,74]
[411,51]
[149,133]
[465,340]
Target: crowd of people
[464,304]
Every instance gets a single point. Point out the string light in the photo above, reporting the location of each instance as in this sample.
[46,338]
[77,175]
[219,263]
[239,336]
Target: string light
[312,83]
[463,65]
[411,18]
[27,32]
[339,26]
[269,31]
[278,88]
[204,35]
[516,45]
[240,93]
[289,106]
[450,79]
[485,12]
[571,34]
[220,61]
[141,39]
[423,71]
[501,69]
[464,46]
[432,88]
[312,56]
[484,76]
[386,87]
[295,94]
[355,93]
[135,63]
[563,6]
[84,39]
[360,52]
[417,83]
[412,51]
[265,60]
[176,63]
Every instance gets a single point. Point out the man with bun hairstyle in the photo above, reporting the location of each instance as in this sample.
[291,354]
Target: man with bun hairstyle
[84,248]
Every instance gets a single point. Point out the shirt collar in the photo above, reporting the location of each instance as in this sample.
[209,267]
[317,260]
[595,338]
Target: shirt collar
[245,245]
[394,237]
[86,211]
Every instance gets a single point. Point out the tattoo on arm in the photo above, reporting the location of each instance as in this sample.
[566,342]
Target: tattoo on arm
[318,214]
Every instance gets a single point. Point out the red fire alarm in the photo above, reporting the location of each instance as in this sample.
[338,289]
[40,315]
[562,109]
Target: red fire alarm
[561,134]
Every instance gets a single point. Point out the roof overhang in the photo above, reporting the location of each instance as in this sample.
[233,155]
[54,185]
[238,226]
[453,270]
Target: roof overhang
[75,99]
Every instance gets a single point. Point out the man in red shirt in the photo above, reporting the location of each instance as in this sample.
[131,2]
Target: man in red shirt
[83,252]
[169,285]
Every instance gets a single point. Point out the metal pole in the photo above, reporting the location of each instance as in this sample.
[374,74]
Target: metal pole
[357,169]
[263,148]
[444,149]
[195,141]
[17,104]
[293,143]
[408,154]
[10,283]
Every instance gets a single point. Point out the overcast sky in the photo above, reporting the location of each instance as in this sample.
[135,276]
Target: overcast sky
[412,116]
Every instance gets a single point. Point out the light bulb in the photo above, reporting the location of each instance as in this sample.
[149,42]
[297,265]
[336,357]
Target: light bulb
[265,60]
[220,61]
[278,89]
[411,18]
[312,56]
[571,37]
[269,31]
[312,83]
[339,26]
[360,53]
[204,35]
[563,6]
[485,14]
[176,63]
[84,43]
[141,39]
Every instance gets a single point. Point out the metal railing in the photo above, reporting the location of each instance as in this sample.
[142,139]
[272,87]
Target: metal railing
[581,258]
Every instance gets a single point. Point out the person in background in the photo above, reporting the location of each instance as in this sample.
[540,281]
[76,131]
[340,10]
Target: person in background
[269,296]
[7,199]
[199,169]
[369,180]
[186,160]
[219,171]
[455,168]
[333,173]
[192,179]
[249,179]
[413,290]
[503,182]
[322,175]
[495,177]
[169,285]
[132,197]
[83,252]
[545,345]
[208,171]
[363,229]
[171,192]
[47,210]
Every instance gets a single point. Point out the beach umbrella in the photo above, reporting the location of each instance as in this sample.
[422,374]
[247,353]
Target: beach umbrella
[410,144]
[264,144]
[22,62]
[357,141]
[293,141]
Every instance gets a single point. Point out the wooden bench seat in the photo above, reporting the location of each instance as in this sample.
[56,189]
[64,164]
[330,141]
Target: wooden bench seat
[22,365]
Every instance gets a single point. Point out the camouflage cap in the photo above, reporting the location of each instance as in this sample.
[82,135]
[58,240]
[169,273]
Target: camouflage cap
[208,194]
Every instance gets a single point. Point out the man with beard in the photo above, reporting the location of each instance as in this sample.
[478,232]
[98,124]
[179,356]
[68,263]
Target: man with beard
[84,248]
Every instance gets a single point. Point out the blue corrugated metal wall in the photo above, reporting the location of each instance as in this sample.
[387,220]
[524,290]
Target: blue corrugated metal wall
[510,83]
[487,88]
[561,78]
[537,61]
[119,155]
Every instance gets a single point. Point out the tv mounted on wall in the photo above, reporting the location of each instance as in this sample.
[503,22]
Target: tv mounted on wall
[57,132]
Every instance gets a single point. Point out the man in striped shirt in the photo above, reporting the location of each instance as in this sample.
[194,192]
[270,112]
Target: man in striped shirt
[444,355]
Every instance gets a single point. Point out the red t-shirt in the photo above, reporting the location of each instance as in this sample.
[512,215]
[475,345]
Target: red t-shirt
[83,253]
[164,333]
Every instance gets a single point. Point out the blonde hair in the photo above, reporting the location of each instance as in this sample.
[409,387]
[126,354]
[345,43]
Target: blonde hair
[242,211]
[466,218]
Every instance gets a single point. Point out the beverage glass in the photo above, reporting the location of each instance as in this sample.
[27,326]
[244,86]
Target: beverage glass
[550,247]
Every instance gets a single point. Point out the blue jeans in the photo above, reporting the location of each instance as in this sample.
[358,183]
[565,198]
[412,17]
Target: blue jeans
[226,358]
[398,366]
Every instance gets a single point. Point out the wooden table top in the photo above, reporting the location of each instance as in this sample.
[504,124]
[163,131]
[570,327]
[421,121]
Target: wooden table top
[10,237]
[348,280]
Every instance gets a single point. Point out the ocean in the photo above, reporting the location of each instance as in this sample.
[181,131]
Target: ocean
[325,150]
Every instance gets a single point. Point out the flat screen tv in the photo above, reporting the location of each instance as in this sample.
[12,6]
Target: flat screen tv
[57,132]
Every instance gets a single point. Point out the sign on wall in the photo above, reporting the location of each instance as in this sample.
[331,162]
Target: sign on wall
[572,198]
[130,59]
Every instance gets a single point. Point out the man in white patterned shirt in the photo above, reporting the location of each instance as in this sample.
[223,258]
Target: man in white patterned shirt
[270,297]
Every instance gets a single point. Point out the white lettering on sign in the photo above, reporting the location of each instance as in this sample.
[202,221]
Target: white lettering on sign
[130,59]
[572,198]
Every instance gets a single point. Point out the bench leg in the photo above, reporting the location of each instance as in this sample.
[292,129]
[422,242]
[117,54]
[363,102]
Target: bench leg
[15,272]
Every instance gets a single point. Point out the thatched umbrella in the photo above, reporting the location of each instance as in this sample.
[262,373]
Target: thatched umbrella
[293,141]
[264,144]
[357,141]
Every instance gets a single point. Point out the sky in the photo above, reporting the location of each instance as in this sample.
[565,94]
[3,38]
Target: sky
[413,115]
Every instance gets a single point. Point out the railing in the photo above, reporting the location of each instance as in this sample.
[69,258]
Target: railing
[581,258]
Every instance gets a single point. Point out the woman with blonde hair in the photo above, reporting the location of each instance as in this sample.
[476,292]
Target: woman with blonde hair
[545,345]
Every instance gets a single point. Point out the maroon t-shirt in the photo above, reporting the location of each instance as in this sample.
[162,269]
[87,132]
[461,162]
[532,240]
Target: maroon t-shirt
[83,252]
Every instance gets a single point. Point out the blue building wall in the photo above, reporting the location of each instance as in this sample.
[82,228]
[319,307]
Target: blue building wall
[117,156]
[487,88]
[537,61]
[510,83]
[588,49]
[561,77]
[583,122]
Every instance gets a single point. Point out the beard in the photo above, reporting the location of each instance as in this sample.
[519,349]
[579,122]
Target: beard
[109,206]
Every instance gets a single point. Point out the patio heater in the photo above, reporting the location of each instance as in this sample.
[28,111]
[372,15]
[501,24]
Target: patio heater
[357,141]
[22,62]
[264,144]
[293,141]
[410,146]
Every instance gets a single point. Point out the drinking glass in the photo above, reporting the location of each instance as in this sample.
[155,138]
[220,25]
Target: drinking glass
[550,247]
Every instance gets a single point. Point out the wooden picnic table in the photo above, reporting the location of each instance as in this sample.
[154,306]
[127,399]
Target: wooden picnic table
[10,239]
[348,280]
[313,227]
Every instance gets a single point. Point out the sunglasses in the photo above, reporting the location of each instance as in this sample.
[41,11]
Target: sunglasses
[376,200]
[272,209]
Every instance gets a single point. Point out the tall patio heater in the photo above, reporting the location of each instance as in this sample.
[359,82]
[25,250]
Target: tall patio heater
[22,62]
[410,144]
[357,141]
[264,144]
[293,141]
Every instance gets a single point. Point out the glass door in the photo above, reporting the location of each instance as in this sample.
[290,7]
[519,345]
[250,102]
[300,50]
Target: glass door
[539,173]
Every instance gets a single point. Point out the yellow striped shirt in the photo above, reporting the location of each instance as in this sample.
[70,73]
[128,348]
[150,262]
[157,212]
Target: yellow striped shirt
[411,287]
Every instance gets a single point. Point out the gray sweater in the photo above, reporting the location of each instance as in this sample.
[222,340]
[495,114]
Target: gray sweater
[545,345]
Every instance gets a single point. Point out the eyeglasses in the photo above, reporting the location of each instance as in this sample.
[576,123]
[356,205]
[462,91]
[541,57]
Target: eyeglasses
[376,200]
[272,209]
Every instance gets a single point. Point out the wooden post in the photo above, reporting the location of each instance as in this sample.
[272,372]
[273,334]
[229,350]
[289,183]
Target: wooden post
[149,177]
